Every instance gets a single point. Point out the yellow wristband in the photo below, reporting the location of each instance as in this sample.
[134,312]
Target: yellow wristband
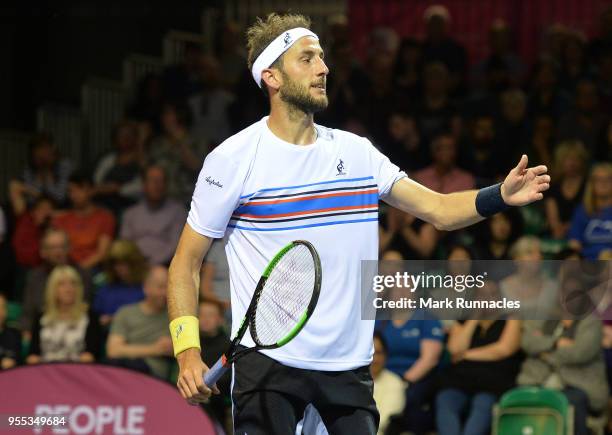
[185,332]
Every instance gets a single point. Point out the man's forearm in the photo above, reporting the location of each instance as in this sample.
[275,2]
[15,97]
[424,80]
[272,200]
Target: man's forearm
[457,210]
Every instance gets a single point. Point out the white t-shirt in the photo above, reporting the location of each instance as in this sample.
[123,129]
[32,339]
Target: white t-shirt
[266,192]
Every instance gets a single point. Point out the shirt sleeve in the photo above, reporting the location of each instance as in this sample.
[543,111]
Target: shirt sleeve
[578,224]
[119,325]
[384,172]
[216,196]
[432,330]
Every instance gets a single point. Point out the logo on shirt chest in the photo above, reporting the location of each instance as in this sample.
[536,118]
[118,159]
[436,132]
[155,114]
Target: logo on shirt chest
[341,168]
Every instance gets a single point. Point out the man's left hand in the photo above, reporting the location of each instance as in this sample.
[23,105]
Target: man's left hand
[525,185]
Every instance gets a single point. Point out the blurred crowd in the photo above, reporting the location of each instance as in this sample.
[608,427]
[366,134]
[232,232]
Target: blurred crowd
[85,248]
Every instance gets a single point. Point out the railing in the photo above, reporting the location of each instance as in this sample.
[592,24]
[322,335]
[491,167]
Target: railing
[66,125]
[103,104]
[13,157]
[175,43]
[135,67]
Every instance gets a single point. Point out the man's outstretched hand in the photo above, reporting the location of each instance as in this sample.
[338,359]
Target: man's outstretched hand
[525,185]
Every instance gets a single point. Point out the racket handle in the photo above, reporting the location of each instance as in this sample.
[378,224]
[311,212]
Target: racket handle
[212,376]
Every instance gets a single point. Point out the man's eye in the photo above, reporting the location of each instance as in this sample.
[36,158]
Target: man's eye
[306,59]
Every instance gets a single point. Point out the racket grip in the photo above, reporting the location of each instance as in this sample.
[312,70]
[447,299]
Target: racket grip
[212,376]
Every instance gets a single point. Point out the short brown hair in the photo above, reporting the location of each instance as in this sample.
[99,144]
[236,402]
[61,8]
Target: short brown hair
[264,31]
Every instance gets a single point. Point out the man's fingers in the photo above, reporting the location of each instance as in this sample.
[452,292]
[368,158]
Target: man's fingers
[522,165]
[543,179]
[542,187]
[190,386]
[539,170]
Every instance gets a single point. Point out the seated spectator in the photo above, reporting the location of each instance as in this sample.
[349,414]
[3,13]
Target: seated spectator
[6,255]
[404,147]
[214,342]
[499,233]
[66,330]
[408,66]
[574,61]
[603,152]
[591,227]
[541,142]
[117,175]
[177,151]
[29,228]
[485,358]
[389,388]
[54,248]
[215,281]
[156,222]
[10,339]
[485,156]
[46,174]
[566,355]
[148,102]
[414,341]
[567,187]
[125,269]
[443,175]
[139,338]
[514,125]
[545,96]
[529,284]
[586,120]
[180,81]
[89,228]
[412,237]
[209,107]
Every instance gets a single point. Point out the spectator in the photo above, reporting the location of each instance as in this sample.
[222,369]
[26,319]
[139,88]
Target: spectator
[177,151]
[139,337]
[545,96]
[529,284]
[415,341]
[586,120]
[29,228]
[500,48]
[89,228]
[408,68]
[567,188]
[46,174]
[487,158]
[404,146]
[10,339]
[513,123]
[389,388]
[567,355]
[214,342]
[117,175]
[440,47]
[182,80]
[604,148]
[156,222]
[210,106]
[443,175]
[435,111]
[412,237]
[574,61]
[6,255]
[54,249]
[125,269]
[215,280]
[66,330]
[500,232]
[147,105]
[486,359]
[591,227]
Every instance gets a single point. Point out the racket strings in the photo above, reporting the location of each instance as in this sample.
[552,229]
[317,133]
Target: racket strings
[285,296]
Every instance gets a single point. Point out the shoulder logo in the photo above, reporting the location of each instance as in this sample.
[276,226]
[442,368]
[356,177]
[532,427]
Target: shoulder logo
[340,168]
[213,182]
[287,39]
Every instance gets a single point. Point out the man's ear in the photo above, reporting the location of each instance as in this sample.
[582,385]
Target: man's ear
[271,77]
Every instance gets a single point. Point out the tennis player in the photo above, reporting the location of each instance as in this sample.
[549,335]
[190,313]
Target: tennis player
[286,178]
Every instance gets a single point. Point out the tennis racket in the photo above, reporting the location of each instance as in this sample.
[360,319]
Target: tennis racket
[284,299]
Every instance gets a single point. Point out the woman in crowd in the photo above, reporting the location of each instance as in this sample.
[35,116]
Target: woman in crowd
[485,358]
[567,188]
[591,226]
[66,330]
[499,232]
[414,341]
[125,271]
[10,339]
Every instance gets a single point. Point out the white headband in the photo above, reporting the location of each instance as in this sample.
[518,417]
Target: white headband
[276,48]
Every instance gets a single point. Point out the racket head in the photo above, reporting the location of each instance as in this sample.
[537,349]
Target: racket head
[286,295]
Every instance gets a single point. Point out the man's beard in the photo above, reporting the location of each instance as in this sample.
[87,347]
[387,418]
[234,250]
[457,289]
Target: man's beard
[299,96]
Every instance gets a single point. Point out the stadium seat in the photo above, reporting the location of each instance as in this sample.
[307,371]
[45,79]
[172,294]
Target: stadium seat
[533,411]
